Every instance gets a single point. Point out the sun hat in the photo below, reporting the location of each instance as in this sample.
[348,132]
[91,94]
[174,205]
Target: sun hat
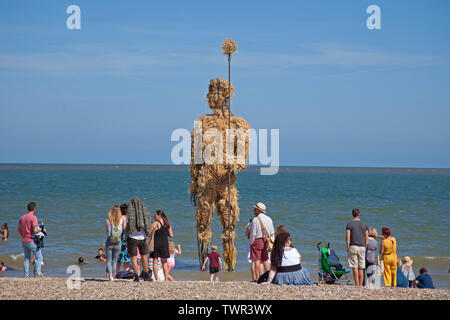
[260,206]
[407,261]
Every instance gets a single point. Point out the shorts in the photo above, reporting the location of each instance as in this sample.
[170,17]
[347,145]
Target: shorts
[357,257]
[258,250]
[133,244]
[213,269]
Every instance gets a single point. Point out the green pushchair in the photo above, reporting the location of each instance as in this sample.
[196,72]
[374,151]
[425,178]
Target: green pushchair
[330,269]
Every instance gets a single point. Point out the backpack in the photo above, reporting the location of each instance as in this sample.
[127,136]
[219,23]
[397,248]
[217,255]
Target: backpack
[116,233]
[125,275]
[334,260]
[263,277]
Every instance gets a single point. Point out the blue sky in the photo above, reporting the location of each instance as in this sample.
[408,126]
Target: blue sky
[113,92]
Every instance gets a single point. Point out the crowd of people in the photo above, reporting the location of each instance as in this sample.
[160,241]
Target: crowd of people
[361,246]
[284,265]
[134,239]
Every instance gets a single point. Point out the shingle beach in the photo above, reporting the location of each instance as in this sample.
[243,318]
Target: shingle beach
[99,289]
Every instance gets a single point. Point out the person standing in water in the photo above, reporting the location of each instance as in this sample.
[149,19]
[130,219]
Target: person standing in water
[173,251]
[215,263]
[4,232]
[28,226]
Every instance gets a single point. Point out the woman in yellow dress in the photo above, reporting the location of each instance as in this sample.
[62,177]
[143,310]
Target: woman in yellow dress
[388,251]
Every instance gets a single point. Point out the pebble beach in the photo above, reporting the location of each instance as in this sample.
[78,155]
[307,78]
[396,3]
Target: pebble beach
[52,288]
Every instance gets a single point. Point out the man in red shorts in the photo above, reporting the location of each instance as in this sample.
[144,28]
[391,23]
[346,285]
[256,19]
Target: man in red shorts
[258,248]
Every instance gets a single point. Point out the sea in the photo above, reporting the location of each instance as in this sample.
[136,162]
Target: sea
[314,203]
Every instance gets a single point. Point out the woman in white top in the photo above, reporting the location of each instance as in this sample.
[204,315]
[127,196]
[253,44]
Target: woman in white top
[286,263]
[114,229]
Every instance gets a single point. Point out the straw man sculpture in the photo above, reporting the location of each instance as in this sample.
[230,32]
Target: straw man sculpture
[219,150]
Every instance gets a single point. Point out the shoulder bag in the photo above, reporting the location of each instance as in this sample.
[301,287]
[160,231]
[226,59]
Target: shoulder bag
[269,240]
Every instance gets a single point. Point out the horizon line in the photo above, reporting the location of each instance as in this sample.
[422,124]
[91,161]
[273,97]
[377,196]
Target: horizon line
[187,165]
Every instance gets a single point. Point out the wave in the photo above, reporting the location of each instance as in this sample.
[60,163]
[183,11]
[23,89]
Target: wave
[433,258]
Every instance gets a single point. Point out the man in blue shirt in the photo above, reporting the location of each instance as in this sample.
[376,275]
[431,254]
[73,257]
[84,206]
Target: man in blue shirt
[424,281]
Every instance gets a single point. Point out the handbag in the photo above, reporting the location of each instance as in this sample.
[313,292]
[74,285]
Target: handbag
[380,264]
[150,242]
[269,240]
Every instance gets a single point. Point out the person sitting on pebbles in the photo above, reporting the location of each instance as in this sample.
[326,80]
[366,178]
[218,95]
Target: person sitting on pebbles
[424,280]
[286,267]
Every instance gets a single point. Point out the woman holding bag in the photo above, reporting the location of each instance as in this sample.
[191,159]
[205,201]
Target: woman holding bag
[161,230]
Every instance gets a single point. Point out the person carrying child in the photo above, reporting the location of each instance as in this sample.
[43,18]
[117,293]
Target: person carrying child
[215,263]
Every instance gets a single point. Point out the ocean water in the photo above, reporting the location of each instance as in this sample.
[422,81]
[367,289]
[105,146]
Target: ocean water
[313,203]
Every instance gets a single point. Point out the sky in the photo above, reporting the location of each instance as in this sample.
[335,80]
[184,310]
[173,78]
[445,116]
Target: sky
[115,90]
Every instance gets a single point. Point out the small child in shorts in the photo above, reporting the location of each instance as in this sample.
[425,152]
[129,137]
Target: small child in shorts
[215,263]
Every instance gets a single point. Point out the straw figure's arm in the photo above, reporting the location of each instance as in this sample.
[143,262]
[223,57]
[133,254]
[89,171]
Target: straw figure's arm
[195,169]
[243,125]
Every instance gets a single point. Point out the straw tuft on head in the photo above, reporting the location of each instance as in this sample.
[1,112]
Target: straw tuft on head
[229,46]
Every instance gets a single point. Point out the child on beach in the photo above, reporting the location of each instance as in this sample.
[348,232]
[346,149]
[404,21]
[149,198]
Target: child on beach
[81,261]
[408,270]
[4,267]
[101,255]
[173,251]
[215,263]
[160,270]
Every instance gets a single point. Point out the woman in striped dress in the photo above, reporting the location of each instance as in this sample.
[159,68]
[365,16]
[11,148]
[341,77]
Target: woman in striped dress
[286,263]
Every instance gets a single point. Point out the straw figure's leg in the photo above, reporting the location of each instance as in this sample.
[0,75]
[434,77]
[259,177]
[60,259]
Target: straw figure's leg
[203,217]
[228,223]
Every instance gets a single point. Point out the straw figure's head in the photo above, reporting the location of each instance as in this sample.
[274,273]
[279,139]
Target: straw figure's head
[218,94]
[229,47]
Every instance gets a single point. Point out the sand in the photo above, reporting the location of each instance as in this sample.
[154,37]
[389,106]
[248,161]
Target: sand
[99,289]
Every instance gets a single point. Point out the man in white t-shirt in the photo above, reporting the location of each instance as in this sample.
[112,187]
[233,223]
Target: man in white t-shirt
[258,247]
